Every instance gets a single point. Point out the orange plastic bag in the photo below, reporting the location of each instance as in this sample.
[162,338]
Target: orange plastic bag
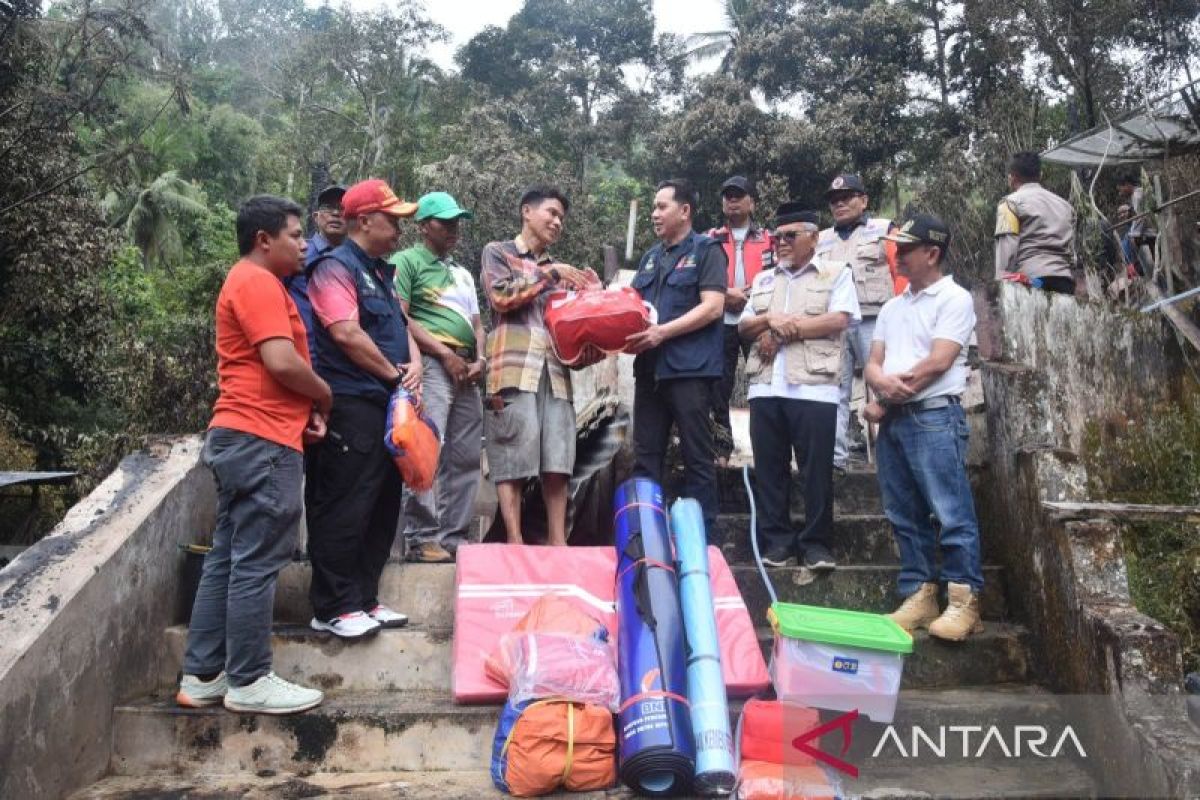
[549,614]
[556,744]
[413,441]
[761,780]
[586,324]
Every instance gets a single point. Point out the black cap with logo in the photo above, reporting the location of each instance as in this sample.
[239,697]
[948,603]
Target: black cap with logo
[922,229]
[740,184]
[846,183]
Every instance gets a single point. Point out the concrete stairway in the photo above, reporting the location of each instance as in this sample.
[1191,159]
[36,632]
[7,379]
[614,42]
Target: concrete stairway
[389,727]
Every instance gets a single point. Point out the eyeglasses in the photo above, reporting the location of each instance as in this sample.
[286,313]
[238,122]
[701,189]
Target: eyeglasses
[790,236]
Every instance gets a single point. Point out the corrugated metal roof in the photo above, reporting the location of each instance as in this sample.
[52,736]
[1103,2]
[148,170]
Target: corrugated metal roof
[1164,127]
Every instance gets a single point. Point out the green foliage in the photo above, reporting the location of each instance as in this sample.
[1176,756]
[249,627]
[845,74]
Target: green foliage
[1156,460]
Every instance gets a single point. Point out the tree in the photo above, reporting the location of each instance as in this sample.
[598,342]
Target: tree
[564,61]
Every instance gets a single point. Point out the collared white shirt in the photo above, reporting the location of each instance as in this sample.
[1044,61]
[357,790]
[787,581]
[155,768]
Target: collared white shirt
[843,297]
[908,324]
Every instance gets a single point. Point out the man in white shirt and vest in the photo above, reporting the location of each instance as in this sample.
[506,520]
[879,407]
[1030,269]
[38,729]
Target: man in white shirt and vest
[918,369]
[797,316]
[856,239]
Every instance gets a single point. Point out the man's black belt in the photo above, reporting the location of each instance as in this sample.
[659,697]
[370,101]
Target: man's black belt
[465,352]
[928,404]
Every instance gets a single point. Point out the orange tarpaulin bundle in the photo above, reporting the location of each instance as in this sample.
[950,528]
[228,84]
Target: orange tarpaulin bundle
[413,441]
[556,744]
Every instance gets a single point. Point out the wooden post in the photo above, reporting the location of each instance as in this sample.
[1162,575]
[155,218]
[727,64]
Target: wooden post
[611,265]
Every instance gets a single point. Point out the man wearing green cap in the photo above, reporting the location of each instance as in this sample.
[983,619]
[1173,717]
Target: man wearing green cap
[443,309]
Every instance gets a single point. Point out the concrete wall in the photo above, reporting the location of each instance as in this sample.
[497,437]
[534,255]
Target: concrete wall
[82,615]
[1053,365]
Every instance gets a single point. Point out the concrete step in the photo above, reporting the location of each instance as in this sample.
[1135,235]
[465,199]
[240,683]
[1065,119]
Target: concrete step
[857,538]
[419,732]
[445,785]
[359,733]
[856,492]
[425,592]
[870,587]
[417,659]
[992,780]
[998,655]
[411,659]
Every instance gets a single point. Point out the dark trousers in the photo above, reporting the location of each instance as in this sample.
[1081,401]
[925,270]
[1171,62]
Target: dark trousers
[723,389]
[1059,284]
[686,402]
[353,498]
[779,427]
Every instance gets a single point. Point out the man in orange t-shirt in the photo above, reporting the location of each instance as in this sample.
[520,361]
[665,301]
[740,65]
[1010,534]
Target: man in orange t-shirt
[270,404]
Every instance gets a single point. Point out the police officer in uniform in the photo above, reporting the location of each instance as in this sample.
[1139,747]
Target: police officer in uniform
[1035,231]
[856,239]
[680,358]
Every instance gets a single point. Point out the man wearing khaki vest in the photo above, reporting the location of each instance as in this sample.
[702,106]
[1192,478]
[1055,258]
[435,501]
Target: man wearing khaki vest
[856,239]
[1035,231]
[797,315]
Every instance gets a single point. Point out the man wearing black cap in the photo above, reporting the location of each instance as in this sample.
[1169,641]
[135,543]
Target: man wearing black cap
[749,250]
[856,238]
[797,316]
[331,230]
[679,358]
[918,369]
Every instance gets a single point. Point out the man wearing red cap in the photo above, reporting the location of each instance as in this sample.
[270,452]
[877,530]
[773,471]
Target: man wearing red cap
[365,352]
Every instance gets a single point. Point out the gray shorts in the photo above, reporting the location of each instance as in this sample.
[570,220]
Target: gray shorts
[533,433]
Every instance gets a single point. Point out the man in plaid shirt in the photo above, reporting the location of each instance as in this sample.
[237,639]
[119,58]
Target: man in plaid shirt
[529,418]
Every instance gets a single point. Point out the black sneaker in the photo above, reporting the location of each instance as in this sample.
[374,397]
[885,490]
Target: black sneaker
[777,557]
[818,557]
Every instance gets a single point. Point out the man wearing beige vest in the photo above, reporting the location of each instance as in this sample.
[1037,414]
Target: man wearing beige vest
[1035,231]
[856,239]
[797,315]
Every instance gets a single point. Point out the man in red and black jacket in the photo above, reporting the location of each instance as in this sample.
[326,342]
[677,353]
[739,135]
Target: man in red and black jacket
[749,250]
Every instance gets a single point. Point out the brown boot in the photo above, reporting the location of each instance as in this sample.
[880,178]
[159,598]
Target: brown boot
[961,617]
[918,609]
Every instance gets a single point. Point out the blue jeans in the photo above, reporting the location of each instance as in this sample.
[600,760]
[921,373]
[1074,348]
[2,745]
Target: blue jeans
[855,353]
[922,475]
[258,514]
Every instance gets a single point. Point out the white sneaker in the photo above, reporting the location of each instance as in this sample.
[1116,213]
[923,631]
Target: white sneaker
[195,693]
[354,625]
[271,694]
[388,618]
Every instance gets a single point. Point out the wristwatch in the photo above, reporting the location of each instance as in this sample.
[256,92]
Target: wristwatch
[395,382]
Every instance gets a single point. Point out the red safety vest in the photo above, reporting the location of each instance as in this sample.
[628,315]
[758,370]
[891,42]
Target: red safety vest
[758,251]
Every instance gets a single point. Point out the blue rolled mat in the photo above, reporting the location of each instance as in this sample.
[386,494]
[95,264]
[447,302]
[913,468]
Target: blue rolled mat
[654,731]
[708,706]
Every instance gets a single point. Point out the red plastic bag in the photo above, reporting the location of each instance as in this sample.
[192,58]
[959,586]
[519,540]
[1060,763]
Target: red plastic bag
[413,441]
[768,728]
[586,324]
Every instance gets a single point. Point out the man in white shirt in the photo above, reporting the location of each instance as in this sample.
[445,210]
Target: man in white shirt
[797,315]
[918,369]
